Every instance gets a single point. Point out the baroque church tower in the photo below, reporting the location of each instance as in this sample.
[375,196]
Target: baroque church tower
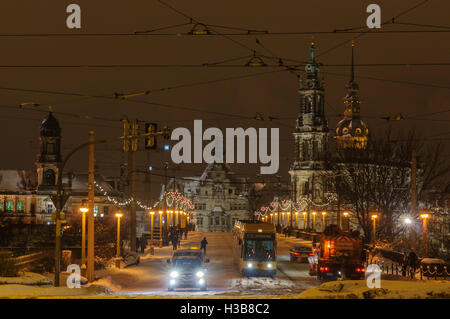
[351,131]
[49,158]
[311,133]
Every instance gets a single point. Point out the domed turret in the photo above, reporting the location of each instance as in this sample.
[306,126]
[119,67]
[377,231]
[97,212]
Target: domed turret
[351,131]
[50,126]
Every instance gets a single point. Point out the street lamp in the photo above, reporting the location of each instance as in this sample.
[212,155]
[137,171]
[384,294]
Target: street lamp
[151,229]
[304,220]
[374,218]
[83,209]
[160,228]
[296,220]
[282,219]
[118,215]
[346,222]
[314,220]
[424,216]
[271,218]
[323,220]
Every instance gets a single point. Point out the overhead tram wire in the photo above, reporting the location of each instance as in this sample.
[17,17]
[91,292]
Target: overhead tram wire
[371,30]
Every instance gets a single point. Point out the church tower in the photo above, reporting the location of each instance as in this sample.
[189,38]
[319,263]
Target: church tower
[351,131]
[49,158]
[311,132]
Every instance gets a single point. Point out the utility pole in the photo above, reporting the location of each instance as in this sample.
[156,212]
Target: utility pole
[413,193]
[132,179]
[90,261]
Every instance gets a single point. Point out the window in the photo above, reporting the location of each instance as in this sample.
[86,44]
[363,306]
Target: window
[200,221]
[1,205]
[50,148]
[49,177]
[20,207]
[95,210]
[9,206]
[217,221]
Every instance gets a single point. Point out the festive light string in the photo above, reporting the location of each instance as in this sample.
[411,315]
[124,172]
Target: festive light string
[289,205]
[173,199]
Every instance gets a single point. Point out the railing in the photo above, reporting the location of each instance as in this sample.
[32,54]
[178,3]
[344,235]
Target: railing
[413,272]
[25,260]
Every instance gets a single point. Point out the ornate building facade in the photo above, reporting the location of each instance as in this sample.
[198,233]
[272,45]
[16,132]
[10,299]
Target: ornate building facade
[219,197]
[24,194]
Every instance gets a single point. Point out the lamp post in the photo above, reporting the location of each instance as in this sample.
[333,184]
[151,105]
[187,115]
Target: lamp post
[271,218]
[151,226]
[314,220]
[282,219]
[424,216]
[296,220]
[323,220]
[160,228]
[304,220]
[118,215]
[374,218]
[83,209]
[346,221]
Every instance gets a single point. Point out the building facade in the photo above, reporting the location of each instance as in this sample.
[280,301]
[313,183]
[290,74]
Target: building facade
[219,198]
[25,194]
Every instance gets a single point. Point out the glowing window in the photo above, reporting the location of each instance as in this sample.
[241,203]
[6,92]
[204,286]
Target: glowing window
[20,206]
[9,206]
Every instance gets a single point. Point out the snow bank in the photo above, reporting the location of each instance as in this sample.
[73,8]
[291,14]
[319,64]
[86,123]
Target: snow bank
[26,292]
[389,290]
[26,278]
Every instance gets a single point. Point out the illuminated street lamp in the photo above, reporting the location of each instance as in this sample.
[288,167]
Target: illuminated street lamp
[296,220]
[282,219]
[271,218]
[374,218]
[304,220]
[83,209]
[118,215]
[151,227]
[424,216]
[314,220]
[160,228]
[346,222]
[323,220]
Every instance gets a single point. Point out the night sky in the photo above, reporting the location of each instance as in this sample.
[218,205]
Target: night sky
[383,89]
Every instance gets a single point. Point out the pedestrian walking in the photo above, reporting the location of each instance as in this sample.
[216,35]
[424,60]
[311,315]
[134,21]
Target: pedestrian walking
[203,244]
[174,241]
[404,264]
[186,233]
[143,242]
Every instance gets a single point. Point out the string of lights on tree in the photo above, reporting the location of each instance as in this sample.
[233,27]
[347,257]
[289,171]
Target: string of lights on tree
[299,205]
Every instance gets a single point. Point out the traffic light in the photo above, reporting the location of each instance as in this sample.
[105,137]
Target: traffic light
[150,141]
[134,133]
[166,132]
[126,133]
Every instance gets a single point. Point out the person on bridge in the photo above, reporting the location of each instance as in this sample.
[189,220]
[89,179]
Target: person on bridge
[412,262]
[203,244]
[174,241]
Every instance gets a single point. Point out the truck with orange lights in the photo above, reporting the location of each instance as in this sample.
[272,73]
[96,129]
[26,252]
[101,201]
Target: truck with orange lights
[338,256]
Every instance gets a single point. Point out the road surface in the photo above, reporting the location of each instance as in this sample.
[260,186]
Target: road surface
[150,276]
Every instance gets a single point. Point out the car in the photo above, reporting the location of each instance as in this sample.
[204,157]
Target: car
[188,252]
[187,272]
[300,254]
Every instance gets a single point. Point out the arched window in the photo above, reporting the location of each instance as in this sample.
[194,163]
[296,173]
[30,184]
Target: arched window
[49,177]
[9,206]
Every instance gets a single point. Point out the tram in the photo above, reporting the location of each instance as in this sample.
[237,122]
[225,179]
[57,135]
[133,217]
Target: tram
[255,248]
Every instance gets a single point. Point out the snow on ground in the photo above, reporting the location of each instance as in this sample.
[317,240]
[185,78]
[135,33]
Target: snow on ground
[22,291]
[388,290]
[26,278]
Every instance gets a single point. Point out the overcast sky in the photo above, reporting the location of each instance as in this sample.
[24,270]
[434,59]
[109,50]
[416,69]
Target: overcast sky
[384,90]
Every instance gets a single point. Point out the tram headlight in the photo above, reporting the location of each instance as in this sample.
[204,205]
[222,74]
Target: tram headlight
[174,274]
[249,265]
[269,265]
[201,281]
[172,282]
[200,274]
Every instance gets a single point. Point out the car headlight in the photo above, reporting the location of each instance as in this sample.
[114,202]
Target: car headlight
[172,281]
[249,265]
[200,274]
[269,265]
[201,281]
[174,274]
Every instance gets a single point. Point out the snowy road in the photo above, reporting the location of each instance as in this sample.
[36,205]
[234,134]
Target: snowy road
[150,276]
